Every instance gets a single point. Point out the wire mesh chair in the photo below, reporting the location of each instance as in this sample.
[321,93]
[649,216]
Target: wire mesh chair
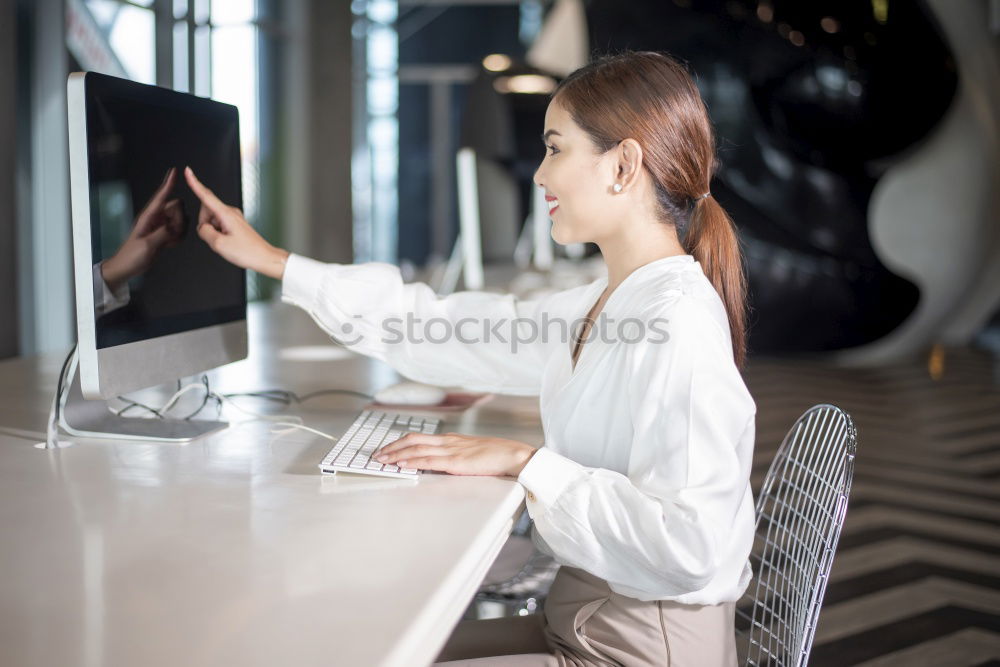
[800,511]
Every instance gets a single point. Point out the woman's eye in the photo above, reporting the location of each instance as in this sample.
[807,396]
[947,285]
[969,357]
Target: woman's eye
[553,149]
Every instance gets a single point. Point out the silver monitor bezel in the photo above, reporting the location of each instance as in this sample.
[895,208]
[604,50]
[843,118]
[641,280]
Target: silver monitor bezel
[113,371]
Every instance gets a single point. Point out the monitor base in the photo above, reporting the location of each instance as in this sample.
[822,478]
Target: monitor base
[87,418]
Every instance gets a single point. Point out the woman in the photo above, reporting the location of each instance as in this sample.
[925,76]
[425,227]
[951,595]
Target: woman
[641,490]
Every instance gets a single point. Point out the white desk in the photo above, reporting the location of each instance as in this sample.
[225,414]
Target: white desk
[234,549]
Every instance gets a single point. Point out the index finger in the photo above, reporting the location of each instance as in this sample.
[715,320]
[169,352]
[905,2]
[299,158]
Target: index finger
[411,439]
[203,193]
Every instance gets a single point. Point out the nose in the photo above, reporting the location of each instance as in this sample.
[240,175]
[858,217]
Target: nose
[537,178]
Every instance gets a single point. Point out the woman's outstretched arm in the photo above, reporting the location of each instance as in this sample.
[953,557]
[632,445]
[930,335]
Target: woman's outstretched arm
[478,340]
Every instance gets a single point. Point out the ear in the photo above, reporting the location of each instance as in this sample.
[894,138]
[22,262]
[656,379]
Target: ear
[629,165]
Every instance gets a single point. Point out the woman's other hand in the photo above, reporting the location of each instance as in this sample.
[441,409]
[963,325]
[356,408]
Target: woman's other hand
[457,454]
[227,232]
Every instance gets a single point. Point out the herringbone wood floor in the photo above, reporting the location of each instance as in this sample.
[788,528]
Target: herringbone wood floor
[916,579]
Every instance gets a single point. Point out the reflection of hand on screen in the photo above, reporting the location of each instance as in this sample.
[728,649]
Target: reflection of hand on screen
[160,225]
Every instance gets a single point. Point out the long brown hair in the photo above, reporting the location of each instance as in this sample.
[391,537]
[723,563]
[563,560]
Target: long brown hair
[651,97]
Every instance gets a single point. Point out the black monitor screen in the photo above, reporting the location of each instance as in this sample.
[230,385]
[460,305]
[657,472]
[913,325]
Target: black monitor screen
[152,273]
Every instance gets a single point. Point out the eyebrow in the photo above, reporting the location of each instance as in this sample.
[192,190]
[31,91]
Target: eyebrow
[549,133]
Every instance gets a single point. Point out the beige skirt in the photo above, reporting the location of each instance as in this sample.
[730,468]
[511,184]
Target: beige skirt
[587,624]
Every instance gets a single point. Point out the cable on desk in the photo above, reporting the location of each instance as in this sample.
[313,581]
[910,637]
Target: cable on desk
[160,413]
[289,427]
[283,396]
[52,428]
[290,422]
[326,392]
[288,397]
[222,398]
[132,405]
[279,420]
[204,402]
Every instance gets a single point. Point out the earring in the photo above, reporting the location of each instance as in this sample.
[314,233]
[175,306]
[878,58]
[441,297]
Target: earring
[617,187]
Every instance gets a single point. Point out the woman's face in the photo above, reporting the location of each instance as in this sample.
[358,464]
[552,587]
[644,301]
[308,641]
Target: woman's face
[578,181]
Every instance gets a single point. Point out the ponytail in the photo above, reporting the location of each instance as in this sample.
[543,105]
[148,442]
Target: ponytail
[711,238]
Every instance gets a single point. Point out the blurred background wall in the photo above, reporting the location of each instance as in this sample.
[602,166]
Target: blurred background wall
[859,142]
[8,238]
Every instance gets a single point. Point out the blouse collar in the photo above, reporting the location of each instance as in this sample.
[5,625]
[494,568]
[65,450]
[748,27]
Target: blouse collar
[652,269]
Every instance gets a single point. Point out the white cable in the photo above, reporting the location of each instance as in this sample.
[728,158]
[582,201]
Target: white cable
[219,397]
[166,406]
[280,420]
[257,415]
[180,392]
[289,427]
[52,427]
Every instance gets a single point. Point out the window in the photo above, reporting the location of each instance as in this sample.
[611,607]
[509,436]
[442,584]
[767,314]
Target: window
[129,31]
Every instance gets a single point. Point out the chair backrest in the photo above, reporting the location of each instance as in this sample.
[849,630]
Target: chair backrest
[800,511]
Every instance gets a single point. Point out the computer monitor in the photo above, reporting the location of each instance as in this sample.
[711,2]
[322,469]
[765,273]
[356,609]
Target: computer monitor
[153,302]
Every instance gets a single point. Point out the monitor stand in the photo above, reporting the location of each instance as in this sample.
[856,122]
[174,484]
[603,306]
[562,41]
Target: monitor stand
[87,418]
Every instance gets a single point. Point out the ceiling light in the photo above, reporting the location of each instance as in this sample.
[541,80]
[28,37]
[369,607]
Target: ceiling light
[497,62]
[537,84]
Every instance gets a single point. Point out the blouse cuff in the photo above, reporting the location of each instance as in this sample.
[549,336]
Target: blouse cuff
[301,281]
[546,476]
[105,300]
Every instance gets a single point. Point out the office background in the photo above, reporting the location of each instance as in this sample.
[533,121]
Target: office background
[860,150]
[857,140]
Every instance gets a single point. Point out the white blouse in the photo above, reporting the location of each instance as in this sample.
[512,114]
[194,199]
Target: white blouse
[644,477]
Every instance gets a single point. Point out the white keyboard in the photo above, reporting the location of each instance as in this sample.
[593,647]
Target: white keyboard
[369,432]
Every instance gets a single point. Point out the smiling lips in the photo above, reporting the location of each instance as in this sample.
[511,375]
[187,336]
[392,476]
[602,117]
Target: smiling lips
[552,202]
